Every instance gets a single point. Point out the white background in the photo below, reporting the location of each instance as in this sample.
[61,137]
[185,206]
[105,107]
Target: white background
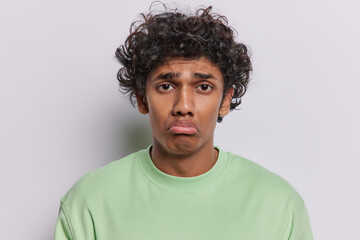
[61,114]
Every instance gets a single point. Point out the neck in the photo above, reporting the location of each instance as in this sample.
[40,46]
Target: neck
[186,164]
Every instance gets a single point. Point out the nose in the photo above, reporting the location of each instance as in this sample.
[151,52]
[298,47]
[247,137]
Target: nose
[184,102]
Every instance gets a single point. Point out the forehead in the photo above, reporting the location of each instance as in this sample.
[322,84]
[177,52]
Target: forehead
[184,67]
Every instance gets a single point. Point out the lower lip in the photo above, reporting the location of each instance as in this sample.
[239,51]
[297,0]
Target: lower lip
[183,130]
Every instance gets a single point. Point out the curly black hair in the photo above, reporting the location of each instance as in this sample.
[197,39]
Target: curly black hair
[170,34]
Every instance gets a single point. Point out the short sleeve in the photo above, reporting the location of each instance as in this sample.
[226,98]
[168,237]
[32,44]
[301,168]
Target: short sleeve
[301,227]
[63,230]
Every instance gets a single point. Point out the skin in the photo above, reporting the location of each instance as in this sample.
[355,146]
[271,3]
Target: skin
[183,99]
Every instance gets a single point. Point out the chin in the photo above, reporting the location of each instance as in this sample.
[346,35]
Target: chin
[182,146]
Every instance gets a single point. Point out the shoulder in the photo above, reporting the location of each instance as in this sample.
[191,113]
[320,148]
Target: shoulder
[270,195]
[100,182]
[261,182]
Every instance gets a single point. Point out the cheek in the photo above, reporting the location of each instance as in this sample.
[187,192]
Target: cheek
[211,106]
[158,110]
[209,109]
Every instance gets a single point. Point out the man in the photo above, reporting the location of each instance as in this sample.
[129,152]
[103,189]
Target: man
[186,73]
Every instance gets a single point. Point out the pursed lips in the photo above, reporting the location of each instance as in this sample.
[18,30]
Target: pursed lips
[183,127]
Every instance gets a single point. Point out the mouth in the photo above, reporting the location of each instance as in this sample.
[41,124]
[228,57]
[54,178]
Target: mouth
[183,127]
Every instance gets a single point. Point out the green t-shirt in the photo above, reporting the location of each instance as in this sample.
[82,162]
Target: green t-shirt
[131,199]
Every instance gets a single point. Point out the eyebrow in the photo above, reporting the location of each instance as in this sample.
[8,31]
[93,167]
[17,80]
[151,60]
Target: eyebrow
[169,75]
[203,75]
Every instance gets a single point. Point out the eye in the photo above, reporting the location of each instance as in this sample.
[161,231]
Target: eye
[204,87]
[165,87]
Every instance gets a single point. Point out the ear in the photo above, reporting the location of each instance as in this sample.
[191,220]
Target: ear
[142,104]
[225,105]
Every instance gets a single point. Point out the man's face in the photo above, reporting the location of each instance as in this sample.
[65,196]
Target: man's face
[183,100]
